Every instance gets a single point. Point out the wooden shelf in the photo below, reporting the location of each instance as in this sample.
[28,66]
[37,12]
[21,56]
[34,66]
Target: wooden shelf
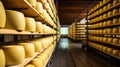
[111,25]
[107,53]
[117,5]
[111,44]
[100,6]
[15,32]
[26,8]
[105,34]
[113,16]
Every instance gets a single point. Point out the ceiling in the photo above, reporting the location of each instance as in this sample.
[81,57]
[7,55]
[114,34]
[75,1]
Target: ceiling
[73,10]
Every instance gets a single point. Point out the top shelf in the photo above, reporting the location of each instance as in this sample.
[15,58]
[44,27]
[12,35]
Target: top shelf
[100,6]
[26,8]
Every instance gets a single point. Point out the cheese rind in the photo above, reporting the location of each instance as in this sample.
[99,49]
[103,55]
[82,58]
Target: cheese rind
[2,58]
[2,15]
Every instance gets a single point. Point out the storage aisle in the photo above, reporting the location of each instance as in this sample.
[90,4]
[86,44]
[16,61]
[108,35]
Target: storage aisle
[67,49]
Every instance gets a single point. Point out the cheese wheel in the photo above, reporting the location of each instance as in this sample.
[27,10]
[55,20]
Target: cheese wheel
[29,49]
[109,50]
[39,27]
[109,31]
[115,52]
[115,2]
[104,8]
[30,65]
[42,58]
[14,54]
[39,7]
[115,20]
[105,49]
[44,1]
[109,5]
[30,24]
[37,45]
[15,20]
[115,41]
[115,30]
[37,62]
[2,58]
[2,15]
[115,11]
[110,40]
[109,22]
[32,2]
[109,13]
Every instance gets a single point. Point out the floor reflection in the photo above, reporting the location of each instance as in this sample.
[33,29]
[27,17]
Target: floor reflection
[64,44]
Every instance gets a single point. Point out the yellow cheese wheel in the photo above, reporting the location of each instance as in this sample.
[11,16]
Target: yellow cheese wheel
[29,49]
[115,20]
[30,65]
[115,30]
[109,22]
[30,24]
[37,45]
[104,16]
[105,49]
[37,62]
[2,58]
[104,8]
[2,15]
[109,30]
[14,54]
[110,40]
[44,1]
[109,14]
[119,18]
[32,2]
[115,11]
[115,41]
[115,2]
[39,7]
[15,20]
[109,50]
[39,27]
[42,58]
[115,52]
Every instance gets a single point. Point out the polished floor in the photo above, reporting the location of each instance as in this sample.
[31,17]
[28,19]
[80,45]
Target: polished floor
[70,54]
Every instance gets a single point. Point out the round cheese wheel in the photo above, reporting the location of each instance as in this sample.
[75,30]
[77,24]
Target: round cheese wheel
[42,58]
[30,24]
[15,20]
[115,41]
[2,58]
[115,30]
[110,40]
[109,31]
[115,52]
[14,54]
[37,62]
[39,27]
[109,50]
[109,13]
[115,11]
[2,15]
[109,5]
[105,49]
[30,65]
[38,45]
[29,49]
[109,22]
[39,7]
[32,2]
[115,20]
[115,2]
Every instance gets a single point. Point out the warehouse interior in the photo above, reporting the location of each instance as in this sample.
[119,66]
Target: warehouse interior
[60,33]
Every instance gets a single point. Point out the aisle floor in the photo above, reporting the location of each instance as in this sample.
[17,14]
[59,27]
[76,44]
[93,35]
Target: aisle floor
[70,54]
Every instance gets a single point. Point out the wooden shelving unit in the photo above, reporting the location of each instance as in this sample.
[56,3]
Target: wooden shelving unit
[97,29]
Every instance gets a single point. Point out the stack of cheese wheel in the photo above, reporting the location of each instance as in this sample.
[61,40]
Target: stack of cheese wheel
[2,58]
[109,50]
[29,49]
[30,65]
[15,20]
[38,46]
[14,54]
[37,62]
[115,52]
[30,24]
[2,15]
[39,7]
[39,27]
[115,41]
